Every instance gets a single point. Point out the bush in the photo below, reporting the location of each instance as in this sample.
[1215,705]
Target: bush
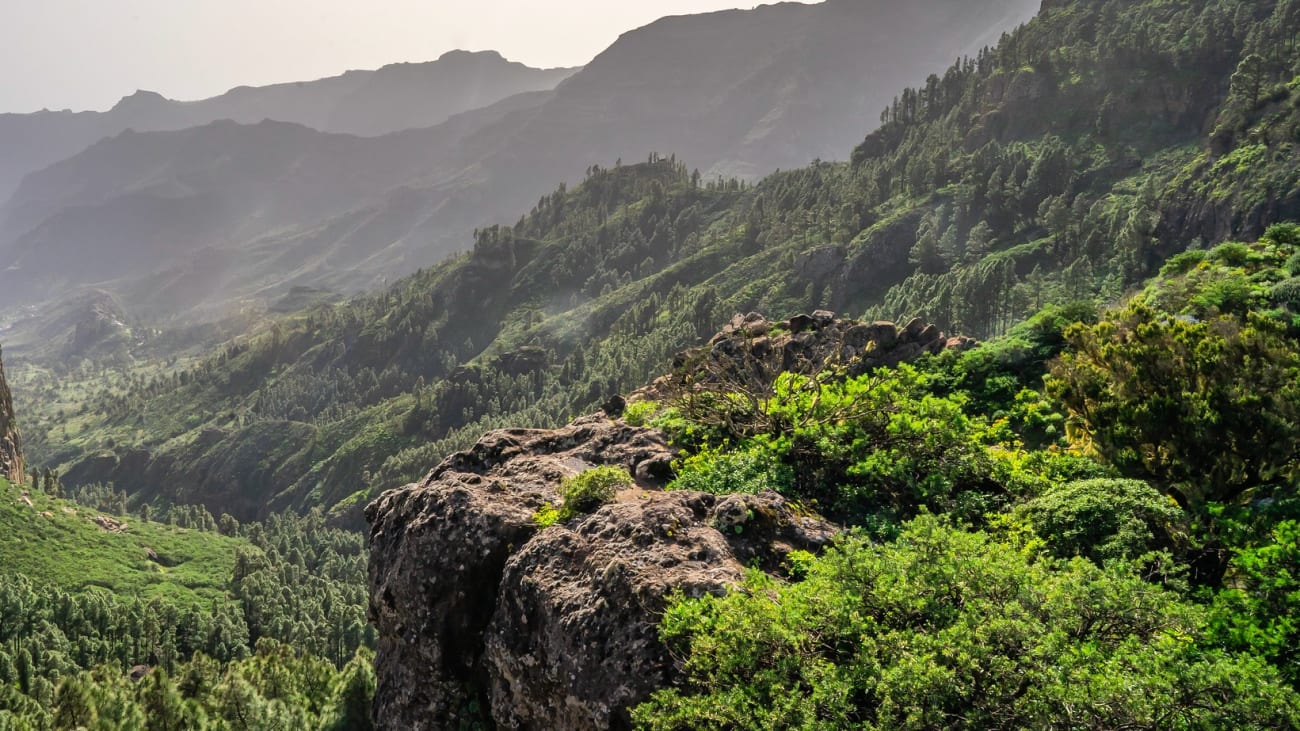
[1287,292]
[1103,520]
[1232,254]
[1182,263]
[749,472]
[944,628]
[641,412]
[584,493]
[1284,234]
[1258,614]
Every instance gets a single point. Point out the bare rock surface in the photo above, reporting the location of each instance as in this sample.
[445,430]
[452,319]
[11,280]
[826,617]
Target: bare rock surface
[484,617]
[11,452]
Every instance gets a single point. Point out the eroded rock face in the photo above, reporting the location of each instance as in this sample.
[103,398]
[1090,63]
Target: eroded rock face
[483,616]
[12,467]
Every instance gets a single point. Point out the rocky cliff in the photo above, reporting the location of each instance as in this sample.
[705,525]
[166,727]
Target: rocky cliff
[11,452]
[487,618]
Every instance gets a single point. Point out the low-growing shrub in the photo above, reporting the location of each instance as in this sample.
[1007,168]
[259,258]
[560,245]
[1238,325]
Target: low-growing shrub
[724,473]
[584,493]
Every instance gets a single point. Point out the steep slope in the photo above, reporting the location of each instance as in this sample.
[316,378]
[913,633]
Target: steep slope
[743,93]
[390,99]
[12,466]
[735,92]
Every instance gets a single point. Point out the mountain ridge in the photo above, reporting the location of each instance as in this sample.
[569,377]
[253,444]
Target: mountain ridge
[733,92]
[392,98]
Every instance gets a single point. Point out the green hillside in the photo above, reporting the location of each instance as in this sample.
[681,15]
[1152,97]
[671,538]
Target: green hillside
[88,588]
[59,543]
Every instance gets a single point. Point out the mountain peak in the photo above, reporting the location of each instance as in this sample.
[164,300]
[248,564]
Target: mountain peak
[141,99]
[464,55]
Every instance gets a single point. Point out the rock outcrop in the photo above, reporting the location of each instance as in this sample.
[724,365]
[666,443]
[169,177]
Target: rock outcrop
[486,617]
[12,467]
[752,349]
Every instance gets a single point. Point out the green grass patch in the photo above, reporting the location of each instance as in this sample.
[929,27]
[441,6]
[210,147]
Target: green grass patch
[58,542]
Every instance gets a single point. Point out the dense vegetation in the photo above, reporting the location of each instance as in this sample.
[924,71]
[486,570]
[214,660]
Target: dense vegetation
[87,595]
[1135,570]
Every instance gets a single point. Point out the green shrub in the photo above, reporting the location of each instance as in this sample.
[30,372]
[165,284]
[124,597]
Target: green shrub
[1103,519]
[945,628]
[547,516]
[584,493]
[640,413]
[1258,614]
[1287,293]
[724,473]
[1182,263]
[1284,234]
[1233,254]
[1229,294]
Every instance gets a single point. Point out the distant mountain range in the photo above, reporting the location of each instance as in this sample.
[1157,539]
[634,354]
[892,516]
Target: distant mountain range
[190,221]
[368,103]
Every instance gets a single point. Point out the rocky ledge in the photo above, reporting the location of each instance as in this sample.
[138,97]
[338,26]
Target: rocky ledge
[11,452]
[484,617]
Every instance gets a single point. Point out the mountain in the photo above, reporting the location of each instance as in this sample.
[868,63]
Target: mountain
[1062,165]
[173,220]
[740,92]
[745,92]
[390,99]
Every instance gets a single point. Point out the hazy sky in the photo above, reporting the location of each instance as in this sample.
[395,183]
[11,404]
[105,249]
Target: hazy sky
[86,54]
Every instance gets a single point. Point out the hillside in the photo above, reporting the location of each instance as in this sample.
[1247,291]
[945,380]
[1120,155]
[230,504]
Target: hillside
[596,289]
[85,587]
[389,99]
[199,230]
[74,547]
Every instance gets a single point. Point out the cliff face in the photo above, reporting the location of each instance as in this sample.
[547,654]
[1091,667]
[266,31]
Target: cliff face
[11,452]
[486,618]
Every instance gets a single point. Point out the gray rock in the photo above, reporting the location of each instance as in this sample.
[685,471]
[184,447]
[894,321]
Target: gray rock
[479,608]
[12,466]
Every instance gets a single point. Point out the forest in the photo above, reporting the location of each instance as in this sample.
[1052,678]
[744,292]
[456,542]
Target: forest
[179,620]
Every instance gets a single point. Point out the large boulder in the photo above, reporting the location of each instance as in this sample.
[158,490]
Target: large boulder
[485,617]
